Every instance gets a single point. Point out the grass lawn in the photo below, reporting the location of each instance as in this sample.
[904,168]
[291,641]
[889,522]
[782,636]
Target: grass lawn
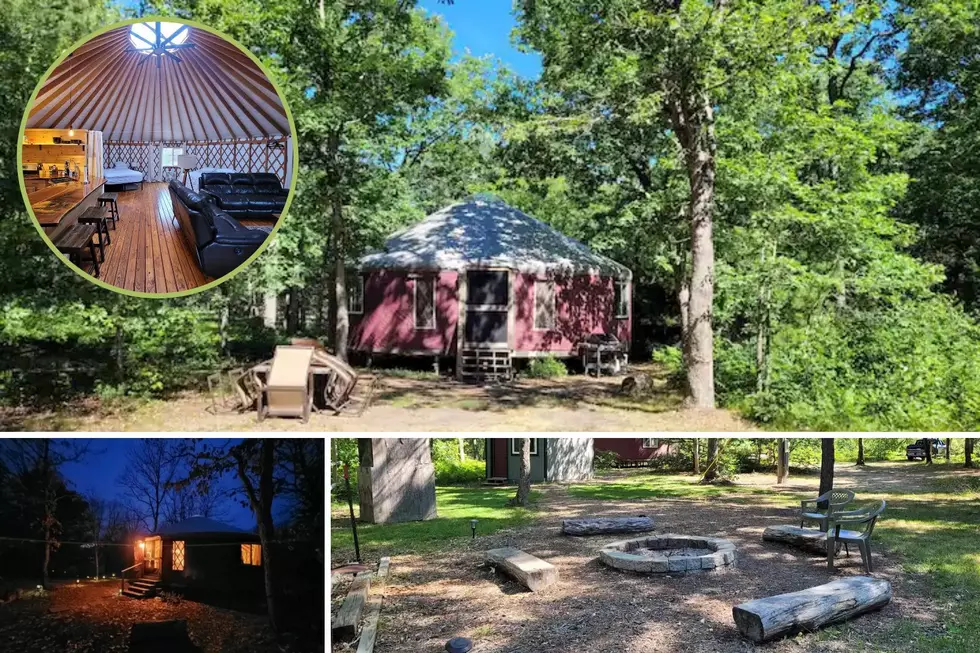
[456,507]
[931,527]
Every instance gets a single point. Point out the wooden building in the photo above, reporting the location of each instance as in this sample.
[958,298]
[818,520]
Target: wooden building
[137,108]
[197,554]
[483,283]
[552,459]
[634,452]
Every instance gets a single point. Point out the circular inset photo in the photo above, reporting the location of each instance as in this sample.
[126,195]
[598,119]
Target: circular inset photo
[157,157]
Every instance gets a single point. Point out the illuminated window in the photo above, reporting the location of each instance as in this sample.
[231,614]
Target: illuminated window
[178,556]
[252,554]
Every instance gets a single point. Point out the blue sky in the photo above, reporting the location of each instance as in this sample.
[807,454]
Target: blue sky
[484,27]
[99,471]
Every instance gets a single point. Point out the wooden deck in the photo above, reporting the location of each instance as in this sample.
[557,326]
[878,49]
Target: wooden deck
[148,253]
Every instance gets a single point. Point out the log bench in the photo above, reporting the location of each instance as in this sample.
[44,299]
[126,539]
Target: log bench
[766,619]
[345,624]
[811,540]
[605,525]
[534,573]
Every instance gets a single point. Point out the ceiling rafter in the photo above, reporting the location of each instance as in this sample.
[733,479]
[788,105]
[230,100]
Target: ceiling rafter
[212,92]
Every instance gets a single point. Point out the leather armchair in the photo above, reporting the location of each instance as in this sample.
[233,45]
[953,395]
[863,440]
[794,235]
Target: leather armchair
[253,196]
[220,243]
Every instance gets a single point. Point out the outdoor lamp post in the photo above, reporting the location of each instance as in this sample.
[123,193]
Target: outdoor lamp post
[473,527]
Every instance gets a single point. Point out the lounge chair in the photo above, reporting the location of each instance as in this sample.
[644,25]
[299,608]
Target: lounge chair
[819,509]
[288,389]
[864,519]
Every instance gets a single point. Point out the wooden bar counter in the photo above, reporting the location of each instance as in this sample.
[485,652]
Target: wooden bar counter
[57,206]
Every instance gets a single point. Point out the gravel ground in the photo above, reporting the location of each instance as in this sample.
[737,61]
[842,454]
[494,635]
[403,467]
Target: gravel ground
[592,608]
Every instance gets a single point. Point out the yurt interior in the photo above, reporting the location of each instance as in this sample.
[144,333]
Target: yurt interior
[157,157]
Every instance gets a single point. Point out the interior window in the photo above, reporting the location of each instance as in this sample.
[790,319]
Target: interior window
[252,554]
[544,304]
[170,155]
[178,561]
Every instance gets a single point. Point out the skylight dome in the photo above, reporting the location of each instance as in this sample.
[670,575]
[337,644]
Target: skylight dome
[150,38]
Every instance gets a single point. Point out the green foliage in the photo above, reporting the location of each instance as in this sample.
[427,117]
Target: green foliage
[454,472]
[605,460]
[548,367]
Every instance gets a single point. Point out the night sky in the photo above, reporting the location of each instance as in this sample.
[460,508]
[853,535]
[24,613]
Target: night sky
[97,474]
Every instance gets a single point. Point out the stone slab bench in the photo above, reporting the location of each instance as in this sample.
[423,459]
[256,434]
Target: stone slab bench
[782,615]
[534,573]
[606,525]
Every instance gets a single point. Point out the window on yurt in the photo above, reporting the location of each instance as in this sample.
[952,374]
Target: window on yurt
[170,155]
[622,299]
[544,304]
[355,295]
[252,554]
[178,561]
[651,443]
[425,303]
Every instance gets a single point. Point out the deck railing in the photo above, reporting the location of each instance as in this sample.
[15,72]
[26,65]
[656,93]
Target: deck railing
[138,574]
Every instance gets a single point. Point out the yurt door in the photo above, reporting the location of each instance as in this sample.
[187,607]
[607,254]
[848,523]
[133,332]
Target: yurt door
[153,556]
[487,308]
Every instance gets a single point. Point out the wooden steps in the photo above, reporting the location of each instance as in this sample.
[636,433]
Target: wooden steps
[486,365]
[143,588]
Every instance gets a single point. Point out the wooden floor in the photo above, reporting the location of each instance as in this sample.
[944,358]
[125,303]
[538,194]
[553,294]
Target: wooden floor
[148,252]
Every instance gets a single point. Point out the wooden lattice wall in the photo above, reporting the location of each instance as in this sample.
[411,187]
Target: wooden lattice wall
[257,155]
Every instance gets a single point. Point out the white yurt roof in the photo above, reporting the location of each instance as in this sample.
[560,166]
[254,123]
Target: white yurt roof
[485,232]
[179,83]
[198,525]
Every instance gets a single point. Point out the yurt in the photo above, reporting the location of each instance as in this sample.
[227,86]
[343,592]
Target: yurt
[169,144]
[484,283]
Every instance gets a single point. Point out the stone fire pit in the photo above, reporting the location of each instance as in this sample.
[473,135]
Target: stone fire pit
[669,554]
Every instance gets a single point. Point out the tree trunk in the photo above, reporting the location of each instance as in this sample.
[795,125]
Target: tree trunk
[826,465]
[684,302]
[524,483]
[260,501]
[96,560]
[928,451]
[782,461]
[292,311]
[48,512]
[860,460]
[968,452]
[711,473]
[119,354]
[462,449]
[949,448]
[697,456]
[341,325]
[695,131]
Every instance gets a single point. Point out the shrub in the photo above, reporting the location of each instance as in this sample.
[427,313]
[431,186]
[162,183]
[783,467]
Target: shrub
[453,472]
[546,368]
[605,459]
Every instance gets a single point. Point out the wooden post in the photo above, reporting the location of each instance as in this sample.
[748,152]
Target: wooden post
[782,461]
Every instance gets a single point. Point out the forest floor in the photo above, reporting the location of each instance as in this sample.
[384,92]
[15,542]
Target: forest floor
[440,588]
[419,402]
[91,617]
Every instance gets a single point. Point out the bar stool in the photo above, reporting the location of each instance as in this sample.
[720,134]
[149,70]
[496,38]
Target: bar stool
[95,216]
[111,200]
[75,241]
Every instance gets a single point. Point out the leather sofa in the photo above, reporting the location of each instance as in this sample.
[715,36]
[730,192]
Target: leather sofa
[252,196]
[219,242]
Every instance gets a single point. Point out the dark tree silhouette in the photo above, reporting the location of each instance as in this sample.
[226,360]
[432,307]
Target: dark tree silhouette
[826,465]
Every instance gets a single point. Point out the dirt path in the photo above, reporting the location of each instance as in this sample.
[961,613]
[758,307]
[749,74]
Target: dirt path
[573,403]
[592,608]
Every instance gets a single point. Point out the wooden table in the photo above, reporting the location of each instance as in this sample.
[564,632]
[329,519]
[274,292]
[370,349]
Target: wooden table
[58,206]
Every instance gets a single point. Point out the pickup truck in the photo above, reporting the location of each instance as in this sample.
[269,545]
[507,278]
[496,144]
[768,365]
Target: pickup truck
[917,450]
